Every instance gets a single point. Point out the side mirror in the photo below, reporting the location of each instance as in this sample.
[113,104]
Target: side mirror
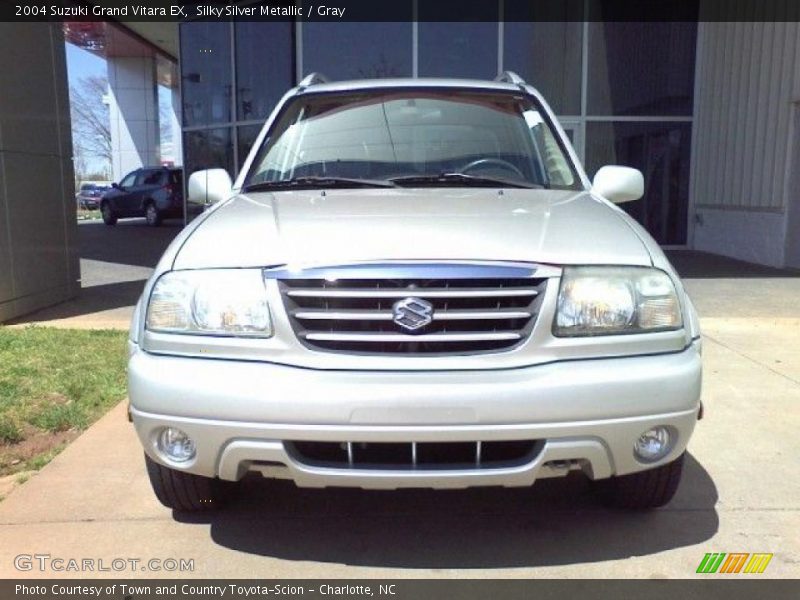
[618,184]
[209,186]
[116,186]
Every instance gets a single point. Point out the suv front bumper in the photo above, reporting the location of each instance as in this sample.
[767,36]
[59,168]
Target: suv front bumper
[587,414]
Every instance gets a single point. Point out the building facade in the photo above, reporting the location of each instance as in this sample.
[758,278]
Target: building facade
[705,110]
[745,190]
[38,248]
[623,92]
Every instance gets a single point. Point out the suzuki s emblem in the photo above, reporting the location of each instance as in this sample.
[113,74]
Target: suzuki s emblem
[412,313]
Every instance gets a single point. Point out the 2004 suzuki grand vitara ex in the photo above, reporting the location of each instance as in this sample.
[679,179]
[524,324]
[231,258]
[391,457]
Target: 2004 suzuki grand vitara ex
[413,283]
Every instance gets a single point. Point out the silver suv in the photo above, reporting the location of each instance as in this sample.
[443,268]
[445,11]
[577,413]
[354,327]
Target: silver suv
[413,283]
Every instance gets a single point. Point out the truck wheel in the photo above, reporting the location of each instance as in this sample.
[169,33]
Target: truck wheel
[109,218]
[151,215]
[185,491]
[642,490]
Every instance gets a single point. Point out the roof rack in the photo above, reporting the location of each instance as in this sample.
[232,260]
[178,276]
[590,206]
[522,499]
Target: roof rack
[510,77]
[311,79]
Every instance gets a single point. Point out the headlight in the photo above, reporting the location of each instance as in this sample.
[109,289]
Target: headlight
[609,300]
[230,302]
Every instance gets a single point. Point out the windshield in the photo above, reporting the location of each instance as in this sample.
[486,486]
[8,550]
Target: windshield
[417,137]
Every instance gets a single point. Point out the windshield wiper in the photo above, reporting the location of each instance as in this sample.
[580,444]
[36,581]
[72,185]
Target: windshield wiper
[317,181]
[461,179]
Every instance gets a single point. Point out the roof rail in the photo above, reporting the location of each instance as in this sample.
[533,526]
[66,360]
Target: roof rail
[312,79]
[510,77]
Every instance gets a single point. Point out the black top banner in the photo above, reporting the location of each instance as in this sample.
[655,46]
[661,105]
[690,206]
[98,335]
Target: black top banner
[401,10]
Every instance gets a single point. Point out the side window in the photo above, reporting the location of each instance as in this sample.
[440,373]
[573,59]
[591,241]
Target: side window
[152,177]
[553,160]
[129,180]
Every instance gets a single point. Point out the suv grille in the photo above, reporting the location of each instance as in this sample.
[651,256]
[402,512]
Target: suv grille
[466,315]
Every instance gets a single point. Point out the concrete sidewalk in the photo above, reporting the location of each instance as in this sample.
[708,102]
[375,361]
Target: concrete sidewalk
[740,493]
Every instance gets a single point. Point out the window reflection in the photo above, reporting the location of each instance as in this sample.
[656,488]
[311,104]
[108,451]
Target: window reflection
[464,49]
[206,73]
[458,50]
[358,50]
[206,149]
[247,135]
[661,152]
[641,68]
[264,66]
[548,56]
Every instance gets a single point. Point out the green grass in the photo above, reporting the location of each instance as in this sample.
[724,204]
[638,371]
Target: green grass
[53,384]
[86,214]
[40,460]
[9,433]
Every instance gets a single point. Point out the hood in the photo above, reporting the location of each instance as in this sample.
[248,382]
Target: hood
[311,227]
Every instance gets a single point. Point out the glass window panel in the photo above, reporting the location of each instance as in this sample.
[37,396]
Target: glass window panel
[206,149]
[247,135]
[395,133]
[548,56]
[264,66]
[358,50]
[129,179]
[641,68]
[467,48]
[205,73]
[661,151]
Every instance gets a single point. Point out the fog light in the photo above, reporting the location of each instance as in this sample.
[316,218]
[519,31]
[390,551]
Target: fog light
[653,444]
[176,444]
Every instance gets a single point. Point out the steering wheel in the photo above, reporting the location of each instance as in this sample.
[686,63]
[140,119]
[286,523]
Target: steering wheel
[497,162]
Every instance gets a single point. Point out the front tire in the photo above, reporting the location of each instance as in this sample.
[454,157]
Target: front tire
[185,491]
[642,490]
[109,218]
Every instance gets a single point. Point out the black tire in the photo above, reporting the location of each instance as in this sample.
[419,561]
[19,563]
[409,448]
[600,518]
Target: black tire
[152,216]
[109,218]
[185,491]
[642,490]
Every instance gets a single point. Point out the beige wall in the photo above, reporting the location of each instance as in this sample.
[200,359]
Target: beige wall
[38,259]
[748,83]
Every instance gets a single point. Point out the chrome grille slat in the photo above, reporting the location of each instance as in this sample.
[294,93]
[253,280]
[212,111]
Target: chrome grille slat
[442,315]
[343,315]
[400,337]
[419,292]
[479,313]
